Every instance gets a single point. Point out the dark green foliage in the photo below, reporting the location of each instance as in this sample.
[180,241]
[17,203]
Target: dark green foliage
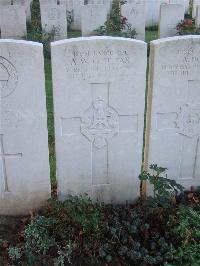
[133,238]
[164,189]
[78,231]
[185,229]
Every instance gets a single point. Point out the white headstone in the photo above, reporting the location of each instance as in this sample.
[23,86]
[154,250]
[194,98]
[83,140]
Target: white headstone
[135,14]
[99,96]
[27,4]
[174,108]
[170,16]
[76,12]
[54,19]
[13,22]
[185,3]
[24,160]
[197,20]
[194,7]
[152,8]
[92,17]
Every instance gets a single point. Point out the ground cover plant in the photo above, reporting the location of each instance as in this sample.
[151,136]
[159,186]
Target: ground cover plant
[163,229]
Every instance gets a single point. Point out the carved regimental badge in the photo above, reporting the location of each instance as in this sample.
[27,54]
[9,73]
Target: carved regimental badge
[8,78]
[99,123]
[188,121]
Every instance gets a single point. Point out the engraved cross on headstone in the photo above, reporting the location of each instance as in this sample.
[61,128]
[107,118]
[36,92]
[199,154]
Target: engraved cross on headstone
[4,156]
[3,76]
[185,122]
[99,124]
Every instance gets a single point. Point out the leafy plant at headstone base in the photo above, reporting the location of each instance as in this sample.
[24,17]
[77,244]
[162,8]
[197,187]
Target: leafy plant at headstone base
[185,232]
[117,25]
[14,253]
[81,232]
[65,230]
[165,190]
[187,27]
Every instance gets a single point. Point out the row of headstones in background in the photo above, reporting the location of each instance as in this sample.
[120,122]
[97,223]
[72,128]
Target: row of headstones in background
[152,8]
[94,16]
[99,131]
[94,13]
[12,20]
[170,16]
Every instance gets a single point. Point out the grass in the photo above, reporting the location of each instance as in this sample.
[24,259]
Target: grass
[150,35]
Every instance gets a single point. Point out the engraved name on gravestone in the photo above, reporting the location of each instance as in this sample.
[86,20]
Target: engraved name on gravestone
[13,21]
[24,166]
[54,20]
[174,108]
[134,11]
[99,96]
[170,16]
[93,17]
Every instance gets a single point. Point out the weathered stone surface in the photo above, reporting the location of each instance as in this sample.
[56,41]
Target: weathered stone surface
[54,20]
[99,96]
[152,9]
[27,4]
[5,2]
[24,164]
[135,14]
[174,108]
[197,20]
[75,6]
[194,7]
[108,3]
[92,17]
[170,16]
[13,22]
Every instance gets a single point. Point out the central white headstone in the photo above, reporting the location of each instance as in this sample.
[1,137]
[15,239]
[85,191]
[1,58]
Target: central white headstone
[24,160]
[174,108]
[99,98]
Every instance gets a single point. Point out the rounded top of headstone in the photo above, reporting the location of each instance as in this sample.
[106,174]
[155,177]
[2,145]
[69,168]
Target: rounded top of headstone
[21,42]
[174,39]
[96,38]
